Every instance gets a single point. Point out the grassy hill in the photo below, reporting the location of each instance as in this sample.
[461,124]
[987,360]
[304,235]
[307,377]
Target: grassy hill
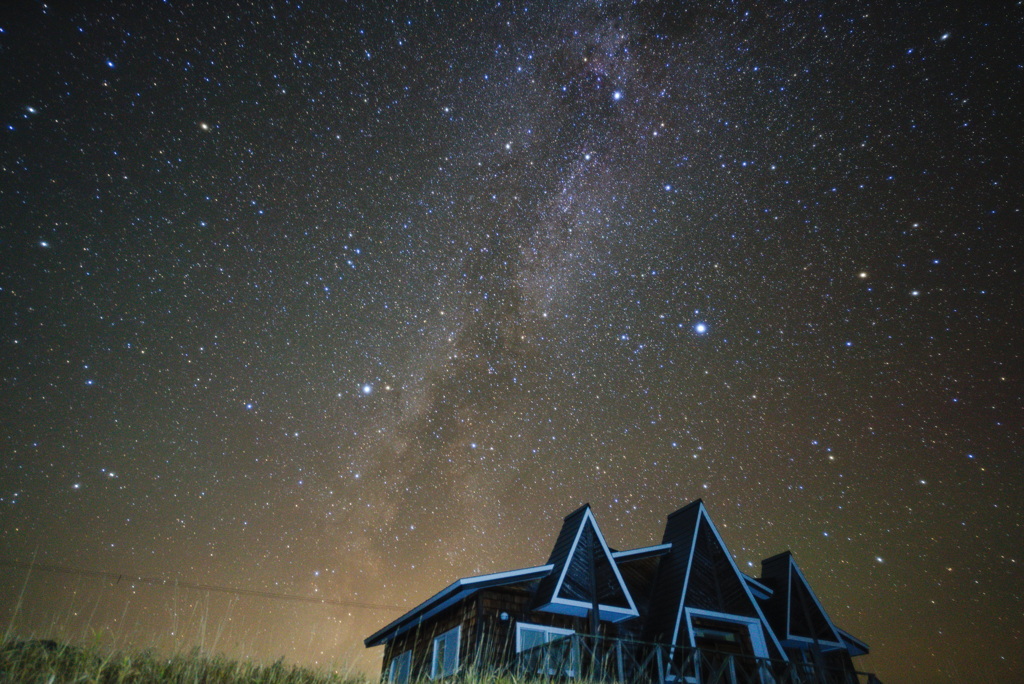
[48,662]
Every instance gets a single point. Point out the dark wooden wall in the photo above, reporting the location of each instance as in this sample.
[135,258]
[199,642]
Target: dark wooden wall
[486,638]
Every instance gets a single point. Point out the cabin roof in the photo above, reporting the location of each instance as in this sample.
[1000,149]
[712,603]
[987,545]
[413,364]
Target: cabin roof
[585,573]
[642,552]
[854,645]
[701,574]
[691,540]
[467,586]
[450,595]
[758,588]
[796,610]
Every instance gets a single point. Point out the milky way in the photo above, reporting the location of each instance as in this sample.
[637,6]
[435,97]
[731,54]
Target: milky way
[351,301]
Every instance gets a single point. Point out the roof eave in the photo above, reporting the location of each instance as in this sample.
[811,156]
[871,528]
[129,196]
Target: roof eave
[452,593]
[643,552]
[854,645]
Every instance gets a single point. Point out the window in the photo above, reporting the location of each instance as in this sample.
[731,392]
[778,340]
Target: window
[732,645]
[548,650]
[398,673]
[446,654]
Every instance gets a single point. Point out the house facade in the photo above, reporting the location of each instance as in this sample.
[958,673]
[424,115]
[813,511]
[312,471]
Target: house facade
[679,611]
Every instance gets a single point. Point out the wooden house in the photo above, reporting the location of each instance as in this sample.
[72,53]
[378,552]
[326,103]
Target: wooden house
[680,611]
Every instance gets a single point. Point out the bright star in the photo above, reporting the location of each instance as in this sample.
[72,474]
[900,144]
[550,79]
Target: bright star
[617,95]
[367,388]
[700,328]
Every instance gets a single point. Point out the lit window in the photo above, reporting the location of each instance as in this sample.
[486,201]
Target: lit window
[446,654]
[398,673]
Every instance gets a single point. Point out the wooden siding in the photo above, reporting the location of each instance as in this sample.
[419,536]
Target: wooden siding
[498,635]
[487,638]
[714,583]
[421,640]
[679,532]
[560,553]
[793,599]
[775,573]
[805,618]
[639,577]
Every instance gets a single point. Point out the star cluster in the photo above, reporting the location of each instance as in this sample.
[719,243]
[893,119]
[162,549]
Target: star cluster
[349,300]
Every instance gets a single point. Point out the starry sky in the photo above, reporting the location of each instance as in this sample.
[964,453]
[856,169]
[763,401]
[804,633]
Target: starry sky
[347,300]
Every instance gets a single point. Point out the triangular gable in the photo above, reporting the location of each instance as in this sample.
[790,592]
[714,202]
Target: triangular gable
[582,564]
[702,576]
[805,620]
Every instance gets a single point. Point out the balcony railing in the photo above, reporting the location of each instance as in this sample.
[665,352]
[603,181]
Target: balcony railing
[597,658]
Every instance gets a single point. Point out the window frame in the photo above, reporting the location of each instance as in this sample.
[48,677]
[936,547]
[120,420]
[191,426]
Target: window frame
[549,632]
[396,663]
[452,635]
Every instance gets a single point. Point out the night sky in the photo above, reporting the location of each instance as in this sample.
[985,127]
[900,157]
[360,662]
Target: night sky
[350,300]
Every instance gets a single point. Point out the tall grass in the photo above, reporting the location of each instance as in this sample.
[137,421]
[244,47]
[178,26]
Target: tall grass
[72,635]
[47,662]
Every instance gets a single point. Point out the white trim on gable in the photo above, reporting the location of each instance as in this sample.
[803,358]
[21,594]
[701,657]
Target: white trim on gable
[703,514]
[807,585]
[686,580]
[573,607]
[582,609]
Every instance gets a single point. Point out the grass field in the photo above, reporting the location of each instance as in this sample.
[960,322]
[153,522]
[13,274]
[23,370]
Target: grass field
[48,662]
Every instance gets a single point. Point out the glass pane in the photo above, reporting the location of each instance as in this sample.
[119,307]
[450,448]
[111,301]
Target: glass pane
[400,668]
[564,655]
[531,638]
[439,649]
[451,653]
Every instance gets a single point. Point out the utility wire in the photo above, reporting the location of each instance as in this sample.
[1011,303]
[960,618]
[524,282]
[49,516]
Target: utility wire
[161,582]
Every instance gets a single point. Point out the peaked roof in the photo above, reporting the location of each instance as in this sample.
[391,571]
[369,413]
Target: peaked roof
[686,585]
[794,610]
[584,572]
[700,574]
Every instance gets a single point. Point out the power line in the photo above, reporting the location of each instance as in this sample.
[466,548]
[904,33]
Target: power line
[161,582]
